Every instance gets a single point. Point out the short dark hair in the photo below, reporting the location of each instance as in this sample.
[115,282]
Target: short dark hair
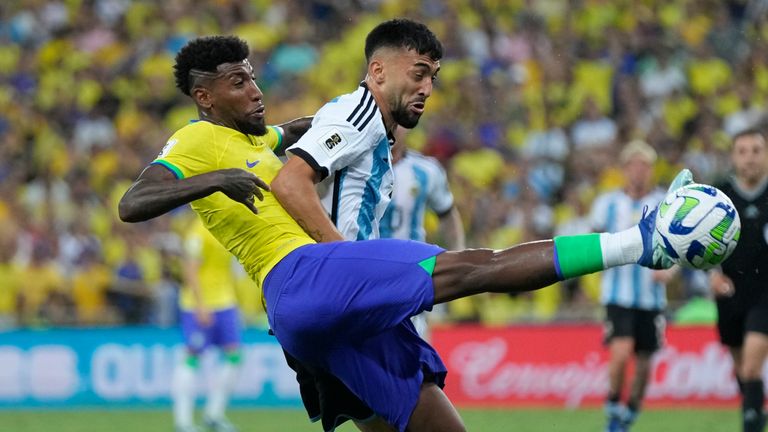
[403,33]
[205,54]
[748,132]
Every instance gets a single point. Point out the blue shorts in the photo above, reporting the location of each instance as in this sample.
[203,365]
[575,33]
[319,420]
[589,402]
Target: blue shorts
[341,307]
[224,331]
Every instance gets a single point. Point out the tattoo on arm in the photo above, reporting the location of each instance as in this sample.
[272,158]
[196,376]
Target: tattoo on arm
[316,234]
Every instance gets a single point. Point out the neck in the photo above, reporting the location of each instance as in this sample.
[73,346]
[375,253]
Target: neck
[378,97]
[204,116]
[636,192]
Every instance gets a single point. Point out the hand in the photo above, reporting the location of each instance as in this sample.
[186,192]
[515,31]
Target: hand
[720,284]
[242,186]
[666,275]
[204,317]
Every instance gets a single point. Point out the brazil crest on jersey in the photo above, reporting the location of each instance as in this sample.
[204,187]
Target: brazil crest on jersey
[349,147]
[259,241]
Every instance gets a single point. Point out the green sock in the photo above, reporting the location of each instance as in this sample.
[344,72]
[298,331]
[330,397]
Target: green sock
[578,255]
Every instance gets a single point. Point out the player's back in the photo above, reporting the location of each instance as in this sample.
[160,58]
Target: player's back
[215,274]
[420,183]
[348,145]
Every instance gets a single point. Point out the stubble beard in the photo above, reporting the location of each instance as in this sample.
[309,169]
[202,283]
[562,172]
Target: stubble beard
[257,129]
[405,118]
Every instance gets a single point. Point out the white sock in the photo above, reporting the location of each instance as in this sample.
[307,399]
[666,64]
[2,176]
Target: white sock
[623,247]
[220,389]
[183,394]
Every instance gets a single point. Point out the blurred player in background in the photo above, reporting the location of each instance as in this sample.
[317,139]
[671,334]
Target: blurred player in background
[741,285]
[342,307]
[634,297]
[209,318]
[420,184]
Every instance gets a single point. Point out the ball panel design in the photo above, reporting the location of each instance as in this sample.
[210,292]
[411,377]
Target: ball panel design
[698,225]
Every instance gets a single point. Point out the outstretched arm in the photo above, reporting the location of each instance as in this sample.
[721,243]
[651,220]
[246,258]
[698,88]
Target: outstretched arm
[292,131]
[158,191]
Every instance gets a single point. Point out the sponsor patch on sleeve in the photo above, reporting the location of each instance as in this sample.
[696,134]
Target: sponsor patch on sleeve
[167,148]
[332,142]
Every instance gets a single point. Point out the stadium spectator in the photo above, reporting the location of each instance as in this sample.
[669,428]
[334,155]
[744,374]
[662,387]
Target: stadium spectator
[129,293]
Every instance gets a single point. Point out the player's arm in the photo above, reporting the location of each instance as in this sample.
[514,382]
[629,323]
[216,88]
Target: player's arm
[158,191]
[294,187]
[440,199]
[291,132]
[453,229]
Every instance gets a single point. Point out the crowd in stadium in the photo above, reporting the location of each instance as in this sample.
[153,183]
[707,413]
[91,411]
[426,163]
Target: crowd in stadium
[534,101]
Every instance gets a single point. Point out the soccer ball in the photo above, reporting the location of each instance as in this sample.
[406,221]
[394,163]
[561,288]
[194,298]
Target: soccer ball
[699,226]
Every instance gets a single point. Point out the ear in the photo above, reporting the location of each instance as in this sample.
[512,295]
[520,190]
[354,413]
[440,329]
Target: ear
[376,70]
[202,97]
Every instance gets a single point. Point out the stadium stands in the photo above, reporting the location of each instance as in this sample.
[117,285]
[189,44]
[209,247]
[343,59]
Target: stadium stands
[532,104]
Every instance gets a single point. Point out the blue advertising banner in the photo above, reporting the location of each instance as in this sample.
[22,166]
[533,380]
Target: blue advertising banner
[128,367]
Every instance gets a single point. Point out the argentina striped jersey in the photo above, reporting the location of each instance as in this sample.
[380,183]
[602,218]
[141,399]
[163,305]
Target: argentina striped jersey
[420,183]
[629,286]
[350,149]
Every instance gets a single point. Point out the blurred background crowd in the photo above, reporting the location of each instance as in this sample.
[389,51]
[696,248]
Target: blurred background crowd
[534,101]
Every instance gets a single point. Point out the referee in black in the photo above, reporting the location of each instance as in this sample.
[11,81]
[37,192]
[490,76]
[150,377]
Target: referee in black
[741,284]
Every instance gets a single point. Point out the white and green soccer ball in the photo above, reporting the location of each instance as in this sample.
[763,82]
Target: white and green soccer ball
[699,226]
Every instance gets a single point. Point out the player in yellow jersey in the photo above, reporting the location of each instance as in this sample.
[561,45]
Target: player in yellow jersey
[209,317]
[338,307]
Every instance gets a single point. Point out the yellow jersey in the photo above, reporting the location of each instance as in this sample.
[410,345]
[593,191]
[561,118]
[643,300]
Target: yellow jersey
[259,241]
[215,275]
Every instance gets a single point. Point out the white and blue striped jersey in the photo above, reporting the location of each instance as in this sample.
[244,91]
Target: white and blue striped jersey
[420,183]
[350,149]
[629,286]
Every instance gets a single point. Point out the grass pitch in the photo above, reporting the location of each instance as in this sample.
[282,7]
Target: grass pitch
[288,420]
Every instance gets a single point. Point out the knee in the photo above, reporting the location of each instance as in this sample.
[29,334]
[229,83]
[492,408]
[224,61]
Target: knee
[751,371]
[621,349]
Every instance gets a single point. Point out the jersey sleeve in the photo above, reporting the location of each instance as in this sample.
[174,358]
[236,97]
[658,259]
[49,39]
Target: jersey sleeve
[597,215]
[331,145]
[274,137]
[440,198]
[193,245]
[190,151]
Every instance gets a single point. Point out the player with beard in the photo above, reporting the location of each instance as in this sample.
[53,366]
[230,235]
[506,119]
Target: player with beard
[740,285]
[347,155]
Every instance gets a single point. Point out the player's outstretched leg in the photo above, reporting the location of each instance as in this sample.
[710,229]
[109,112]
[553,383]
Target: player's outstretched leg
[535,265]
